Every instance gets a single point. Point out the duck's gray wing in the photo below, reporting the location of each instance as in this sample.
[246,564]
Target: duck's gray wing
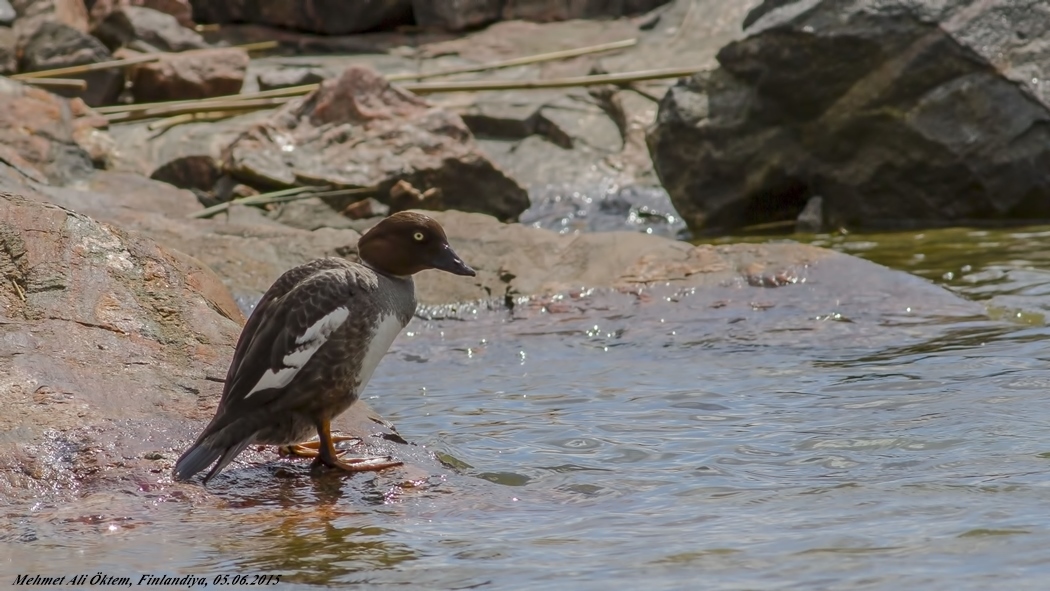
[290,331]
[265,310]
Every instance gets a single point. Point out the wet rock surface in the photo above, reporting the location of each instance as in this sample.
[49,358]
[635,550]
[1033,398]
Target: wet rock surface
[102,333]
[939,118]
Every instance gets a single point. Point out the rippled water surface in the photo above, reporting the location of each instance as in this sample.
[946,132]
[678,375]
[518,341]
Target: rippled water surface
[631,442]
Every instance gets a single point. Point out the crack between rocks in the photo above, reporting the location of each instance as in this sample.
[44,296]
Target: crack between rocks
[89,324]
[46,288]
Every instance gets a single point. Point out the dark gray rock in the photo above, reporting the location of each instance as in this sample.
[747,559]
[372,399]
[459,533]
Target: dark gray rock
[56,45]
[563,10]
[338,17]
[330,17]
[894,111]
[465,14]
[156,29]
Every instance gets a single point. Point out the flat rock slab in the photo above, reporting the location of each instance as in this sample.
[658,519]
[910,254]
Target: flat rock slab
[249,251]
[514,260]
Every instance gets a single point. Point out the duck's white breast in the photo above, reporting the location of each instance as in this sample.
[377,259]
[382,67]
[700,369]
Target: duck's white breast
[386,330]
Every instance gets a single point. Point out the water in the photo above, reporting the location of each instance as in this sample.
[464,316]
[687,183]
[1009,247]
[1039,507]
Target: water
[618,441]
[609,206]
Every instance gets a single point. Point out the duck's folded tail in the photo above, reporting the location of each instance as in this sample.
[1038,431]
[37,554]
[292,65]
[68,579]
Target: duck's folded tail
[203,453]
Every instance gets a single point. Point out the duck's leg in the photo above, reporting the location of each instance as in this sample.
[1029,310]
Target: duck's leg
[309,449]
[327,456]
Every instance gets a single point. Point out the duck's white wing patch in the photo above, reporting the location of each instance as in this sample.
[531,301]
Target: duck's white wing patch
[385,332]
[307,344]
[325,326]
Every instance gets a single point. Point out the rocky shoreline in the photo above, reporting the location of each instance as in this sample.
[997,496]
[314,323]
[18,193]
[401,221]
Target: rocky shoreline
[114,345]
[121,299]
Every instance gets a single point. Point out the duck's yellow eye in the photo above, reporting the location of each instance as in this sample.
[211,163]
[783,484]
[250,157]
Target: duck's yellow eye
[418,236]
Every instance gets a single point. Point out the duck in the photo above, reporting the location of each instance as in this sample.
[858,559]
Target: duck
[311,345]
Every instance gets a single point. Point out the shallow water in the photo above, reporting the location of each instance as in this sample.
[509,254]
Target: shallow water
[608,207]
[623,442]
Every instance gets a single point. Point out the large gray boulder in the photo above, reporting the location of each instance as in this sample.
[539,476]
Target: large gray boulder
[893,111]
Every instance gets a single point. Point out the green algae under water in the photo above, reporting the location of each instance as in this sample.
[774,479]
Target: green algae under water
[1008,269]
[616,446]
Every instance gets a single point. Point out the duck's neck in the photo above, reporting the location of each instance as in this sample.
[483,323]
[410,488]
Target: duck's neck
[384,272]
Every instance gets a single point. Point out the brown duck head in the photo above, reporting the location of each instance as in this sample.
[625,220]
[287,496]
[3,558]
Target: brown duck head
[407,243]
